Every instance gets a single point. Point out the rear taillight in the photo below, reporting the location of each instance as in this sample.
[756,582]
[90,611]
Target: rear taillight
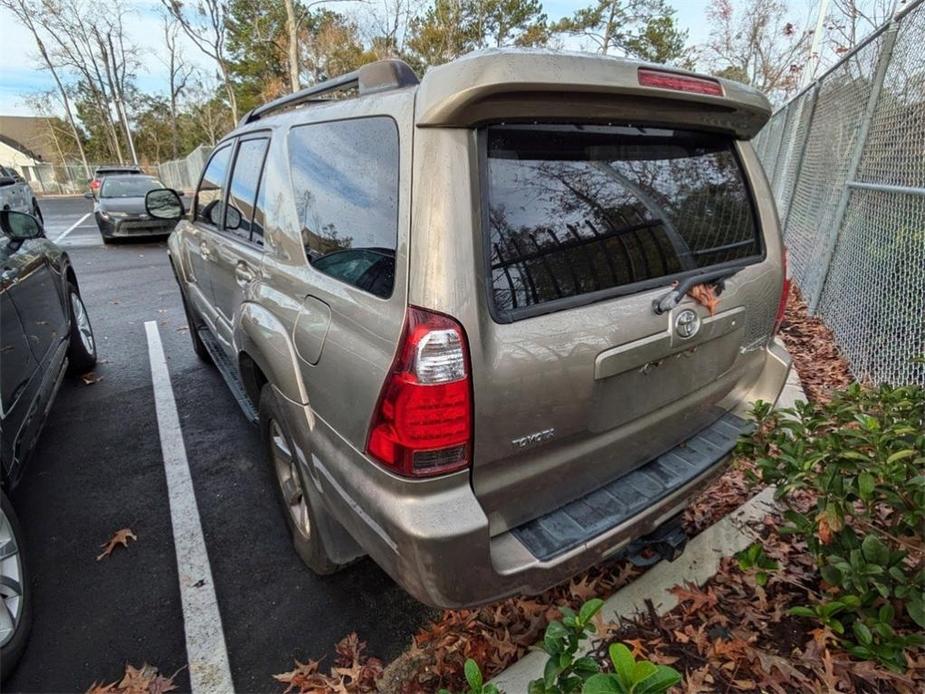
[423,421]
[679,83]
[784,293]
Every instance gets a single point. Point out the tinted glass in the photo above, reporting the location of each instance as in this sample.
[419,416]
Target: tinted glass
[242,193]
[345,181]
[208,201]
[574,210]
[134,187]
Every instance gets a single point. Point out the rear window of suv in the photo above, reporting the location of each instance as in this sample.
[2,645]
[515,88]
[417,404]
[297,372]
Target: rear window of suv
[580,213]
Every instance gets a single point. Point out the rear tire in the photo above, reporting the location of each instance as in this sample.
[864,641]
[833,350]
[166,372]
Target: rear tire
[18,602]
[81,349]
[290,483]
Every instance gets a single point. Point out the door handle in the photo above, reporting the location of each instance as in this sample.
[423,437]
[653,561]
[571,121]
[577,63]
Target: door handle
[243,273]
[205,251]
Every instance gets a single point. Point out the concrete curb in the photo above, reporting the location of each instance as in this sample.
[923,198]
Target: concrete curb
[699,563]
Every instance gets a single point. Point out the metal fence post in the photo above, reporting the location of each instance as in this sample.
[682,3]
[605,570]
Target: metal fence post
[883,61]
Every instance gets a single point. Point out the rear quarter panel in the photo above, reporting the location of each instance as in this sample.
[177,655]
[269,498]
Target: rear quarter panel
[343,386]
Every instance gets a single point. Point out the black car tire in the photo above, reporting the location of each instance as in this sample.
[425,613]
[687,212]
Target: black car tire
[198,345]
[310,547]
[12,650]
[37,211]
[81,358]
[108,240]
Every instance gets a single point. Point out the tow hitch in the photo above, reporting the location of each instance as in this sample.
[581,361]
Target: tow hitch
[666,542]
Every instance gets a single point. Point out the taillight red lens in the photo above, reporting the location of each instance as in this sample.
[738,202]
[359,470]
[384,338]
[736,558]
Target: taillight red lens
[423,421]
[784,294]
[679,83]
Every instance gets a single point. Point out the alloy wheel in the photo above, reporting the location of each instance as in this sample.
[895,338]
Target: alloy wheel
[83,324]
[289,479]
[11,577]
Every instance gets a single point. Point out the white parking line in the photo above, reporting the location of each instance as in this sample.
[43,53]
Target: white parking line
[72,227]
[205,639]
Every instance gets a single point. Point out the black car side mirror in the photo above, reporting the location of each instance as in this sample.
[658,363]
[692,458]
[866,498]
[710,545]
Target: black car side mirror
[20,226]
[88,195]
[163,203]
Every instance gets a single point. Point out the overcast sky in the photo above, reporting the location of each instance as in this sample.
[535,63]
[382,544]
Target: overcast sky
[20,76]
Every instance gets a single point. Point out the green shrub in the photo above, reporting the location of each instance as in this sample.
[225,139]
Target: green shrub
[565,674]
[851,476]
[474,679]
[631,676]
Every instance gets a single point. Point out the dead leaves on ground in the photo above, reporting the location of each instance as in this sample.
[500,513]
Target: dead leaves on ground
[90,378]
[819,362]
[120,537]
[353,672]
[733,635]
[144,680]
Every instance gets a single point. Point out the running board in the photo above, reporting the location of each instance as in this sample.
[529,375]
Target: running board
[229,373]
[617,502]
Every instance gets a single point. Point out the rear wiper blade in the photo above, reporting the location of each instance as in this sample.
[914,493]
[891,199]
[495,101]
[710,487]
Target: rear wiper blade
[672,298]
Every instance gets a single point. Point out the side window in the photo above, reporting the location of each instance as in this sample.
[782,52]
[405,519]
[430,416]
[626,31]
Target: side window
[208,203]
[345,182]
[242,193]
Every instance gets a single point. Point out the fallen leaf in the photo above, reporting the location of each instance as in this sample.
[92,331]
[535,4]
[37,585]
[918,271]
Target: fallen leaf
[144,680]
[120,537]
[90,378]
[705,295]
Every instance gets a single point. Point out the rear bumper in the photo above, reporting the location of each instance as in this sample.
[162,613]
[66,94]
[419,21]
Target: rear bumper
[433,537]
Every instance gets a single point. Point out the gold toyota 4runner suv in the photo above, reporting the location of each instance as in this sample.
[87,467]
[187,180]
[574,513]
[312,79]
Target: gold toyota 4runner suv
[458,308]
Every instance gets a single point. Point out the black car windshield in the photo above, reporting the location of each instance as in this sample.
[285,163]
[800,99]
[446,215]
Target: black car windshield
[134,187]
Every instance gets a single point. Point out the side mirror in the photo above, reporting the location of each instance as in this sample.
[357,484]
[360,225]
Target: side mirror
[232,217]
[20,226]
[7,180]
[163,203]
[88,195]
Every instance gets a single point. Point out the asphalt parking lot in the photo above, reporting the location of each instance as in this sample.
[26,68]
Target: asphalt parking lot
[99,467]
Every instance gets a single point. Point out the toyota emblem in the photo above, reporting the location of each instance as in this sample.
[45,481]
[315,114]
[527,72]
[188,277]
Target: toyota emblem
[687,323]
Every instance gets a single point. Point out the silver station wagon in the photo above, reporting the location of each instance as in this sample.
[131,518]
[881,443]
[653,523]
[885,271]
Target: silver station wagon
[459,309]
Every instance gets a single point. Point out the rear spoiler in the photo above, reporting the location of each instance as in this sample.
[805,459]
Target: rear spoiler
[537,85]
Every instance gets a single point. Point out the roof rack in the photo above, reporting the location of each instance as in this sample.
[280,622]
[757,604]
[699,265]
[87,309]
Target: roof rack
[381,76]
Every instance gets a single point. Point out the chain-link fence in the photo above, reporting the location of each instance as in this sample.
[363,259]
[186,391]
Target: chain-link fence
[846,161]
[183,174]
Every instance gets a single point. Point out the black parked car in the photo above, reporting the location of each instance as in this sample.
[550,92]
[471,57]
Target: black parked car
[44,332]
[120,208]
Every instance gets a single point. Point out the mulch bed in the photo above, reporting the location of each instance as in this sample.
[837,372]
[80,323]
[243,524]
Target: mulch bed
[497,635]
[734,635]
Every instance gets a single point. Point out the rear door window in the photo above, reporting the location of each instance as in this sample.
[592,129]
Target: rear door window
[580,213]
[345,182]
[242,192]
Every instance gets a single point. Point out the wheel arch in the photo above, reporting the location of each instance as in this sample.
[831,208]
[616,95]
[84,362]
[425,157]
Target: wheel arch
[266,351]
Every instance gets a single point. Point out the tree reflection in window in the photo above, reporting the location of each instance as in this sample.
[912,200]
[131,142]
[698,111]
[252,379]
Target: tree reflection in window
[576,210]
[345,178]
